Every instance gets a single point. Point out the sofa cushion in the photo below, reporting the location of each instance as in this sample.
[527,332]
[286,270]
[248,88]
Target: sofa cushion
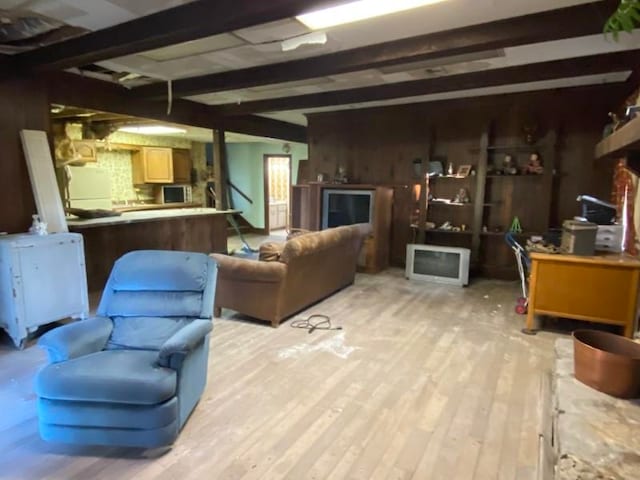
[118,376]
[143,333]
[317,241]
[270,251]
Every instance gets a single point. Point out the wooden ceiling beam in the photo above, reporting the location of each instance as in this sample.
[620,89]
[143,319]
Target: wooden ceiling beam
[191,21]
[558,24]
[574,67]
[76,91]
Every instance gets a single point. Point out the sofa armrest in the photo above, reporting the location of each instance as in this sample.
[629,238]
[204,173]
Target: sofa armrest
[76,339]
[183,341]
[231,268]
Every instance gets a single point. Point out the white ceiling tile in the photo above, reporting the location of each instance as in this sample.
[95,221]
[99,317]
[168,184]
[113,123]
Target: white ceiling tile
[146,7]
[614,77]
[195,47]
[291,117]
[273,31]
[99,13]
[60,11]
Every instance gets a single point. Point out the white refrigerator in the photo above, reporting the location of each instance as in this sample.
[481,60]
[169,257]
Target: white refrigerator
[88,187]
[42,279]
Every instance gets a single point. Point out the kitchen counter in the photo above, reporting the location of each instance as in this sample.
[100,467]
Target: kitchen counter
[106,239]
[76,223]
[155,206]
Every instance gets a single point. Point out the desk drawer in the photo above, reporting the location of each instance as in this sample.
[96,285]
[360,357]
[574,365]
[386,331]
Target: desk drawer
[585,290]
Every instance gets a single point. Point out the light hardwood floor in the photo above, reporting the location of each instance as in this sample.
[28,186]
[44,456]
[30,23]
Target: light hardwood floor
[424,381]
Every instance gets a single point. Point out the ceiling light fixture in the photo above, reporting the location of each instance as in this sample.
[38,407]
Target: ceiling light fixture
[151,129]
[359,10]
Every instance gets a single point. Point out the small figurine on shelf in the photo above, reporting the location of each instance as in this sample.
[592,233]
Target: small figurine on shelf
[535,165]
[509,166]
[341,175]
[462,196]
[450,169]
[515,227]
[38,227]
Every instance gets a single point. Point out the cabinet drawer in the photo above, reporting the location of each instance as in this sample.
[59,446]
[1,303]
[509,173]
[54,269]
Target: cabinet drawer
[610,246]
[609,233]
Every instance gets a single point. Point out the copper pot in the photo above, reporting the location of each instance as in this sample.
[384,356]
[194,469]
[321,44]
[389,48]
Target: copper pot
[607,362]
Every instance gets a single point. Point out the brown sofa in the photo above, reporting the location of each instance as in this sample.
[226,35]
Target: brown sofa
[309,268]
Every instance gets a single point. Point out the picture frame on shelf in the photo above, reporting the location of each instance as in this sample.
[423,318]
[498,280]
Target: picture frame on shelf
[463,171]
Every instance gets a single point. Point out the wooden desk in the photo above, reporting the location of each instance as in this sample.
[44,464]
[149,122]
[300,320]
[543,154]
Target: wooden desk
[602,288]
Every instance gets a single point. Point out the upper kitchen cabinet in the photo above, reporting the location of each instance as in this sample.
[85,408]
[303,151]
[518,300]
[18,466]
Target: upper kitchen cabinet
[181,165]
[85,150]
[152,165]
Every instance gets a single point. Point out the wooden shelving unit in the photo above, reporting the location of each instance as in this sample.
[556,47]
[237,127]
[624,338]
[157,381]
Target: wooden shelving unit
[495,200]
[624,140]
[622,144]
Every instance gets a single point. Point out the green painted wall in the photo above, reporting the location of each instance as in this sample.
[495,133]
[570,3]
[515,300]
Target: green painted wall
[245,162]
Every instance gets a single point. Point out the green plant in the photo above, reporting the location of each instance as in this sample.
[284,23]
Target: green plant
[624,19]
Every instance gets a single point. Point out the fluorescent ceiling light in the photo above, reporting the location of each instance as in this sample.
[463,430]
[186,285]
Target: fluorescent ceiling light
[151,129]
[356,11]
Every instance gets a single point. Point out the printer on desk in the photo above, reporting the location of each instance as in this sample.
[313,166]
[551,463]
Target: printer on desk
[593,230]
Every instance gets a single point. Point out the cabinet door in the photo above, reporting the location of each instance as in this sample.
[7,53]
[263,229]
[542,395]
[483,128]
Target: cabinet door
[158,165]
[52,281]
[181,165]
[282,216]
[85,150]
[273,216]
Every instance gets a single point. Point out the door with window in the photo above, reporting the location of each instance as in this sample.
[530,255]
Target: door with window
[277,188]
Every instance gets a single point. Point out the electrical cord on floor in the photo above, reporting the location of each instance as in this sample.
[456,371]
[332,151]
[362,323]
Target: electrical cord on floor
[306,323]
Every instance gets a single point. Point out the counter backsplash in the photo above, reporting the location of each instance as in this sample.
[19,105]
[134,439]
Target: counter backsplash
[118,164]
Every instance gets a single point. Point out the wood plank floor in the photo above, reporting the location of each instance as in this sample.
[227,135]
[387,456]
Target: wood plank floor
[424,381]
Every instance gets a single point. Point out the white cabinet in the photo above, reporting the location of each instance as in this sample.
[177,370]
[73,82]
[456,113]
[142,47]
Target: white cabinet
[277,215]
[42,279]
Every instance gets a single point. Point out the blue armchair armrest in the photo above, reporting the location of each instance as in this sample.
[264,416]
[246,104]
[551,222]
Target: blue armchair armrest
[183,341]
[76,339]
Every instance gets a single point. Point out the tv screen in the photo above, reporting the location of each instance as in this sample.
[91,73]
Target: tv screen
[440,264]
[437,263]
[346,207]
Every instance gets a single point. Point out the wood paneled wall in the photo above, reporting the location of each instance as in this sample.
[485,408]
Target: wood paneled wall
[377,145]
[23,105]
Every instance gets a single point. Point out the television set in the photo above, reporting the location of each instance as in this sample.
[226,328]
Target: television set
[435,263]
[346,207]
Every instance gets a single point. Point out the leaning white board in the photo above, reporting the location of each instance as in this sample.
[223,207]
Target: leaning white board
[43,180]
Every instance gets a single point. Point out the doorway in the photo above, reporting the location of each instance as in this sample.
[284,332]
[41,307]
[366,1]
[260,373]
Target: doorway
[277,188]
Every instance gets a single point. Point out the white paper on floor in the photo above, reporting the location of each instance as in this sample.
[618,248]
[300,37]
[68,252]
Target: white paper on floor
[334,345]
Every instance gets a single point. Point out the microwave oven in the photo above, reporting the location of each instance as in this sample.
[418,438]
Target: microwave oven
[174,194]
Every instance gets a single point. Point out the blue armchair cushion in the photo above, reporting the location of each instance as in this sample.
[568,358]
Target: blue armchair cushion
[76,339]
[160,271]
[154,304]
[107,415]
[143,333]
[184,341]
[116,376]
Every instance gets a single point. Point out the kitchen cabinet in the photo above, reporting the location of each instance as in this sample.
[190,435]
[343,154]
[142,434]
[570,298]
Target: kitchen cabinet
[152,165]
[277,215]
[42,280]
[85,150]
[181,165]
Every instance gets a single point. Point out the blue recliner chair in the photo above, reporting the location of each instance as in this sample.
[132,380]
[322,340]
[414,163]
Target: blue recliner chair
[132,375]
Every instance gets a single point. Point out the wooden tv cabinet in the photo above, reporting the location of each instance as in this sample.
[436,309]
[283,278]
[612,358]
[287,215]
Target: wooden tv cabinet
[306,213]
